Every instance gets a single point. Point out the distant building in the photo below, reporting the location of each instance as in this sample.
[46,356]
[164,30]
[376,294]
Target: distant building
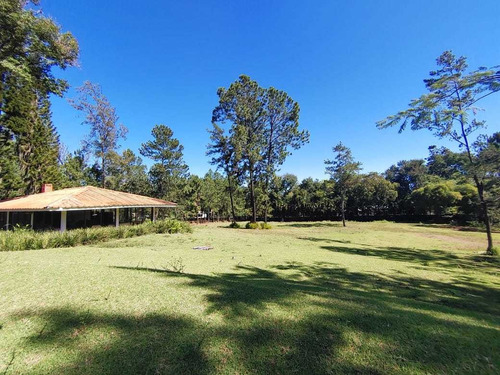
[78,207]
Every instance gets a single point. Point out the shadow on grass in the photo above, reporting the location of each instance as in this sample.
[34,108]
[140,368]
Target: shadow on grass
[315,239]
[290,318]
[449,226]
[422,257]
[125,345]
[312,225]
[433,258]
[456,227]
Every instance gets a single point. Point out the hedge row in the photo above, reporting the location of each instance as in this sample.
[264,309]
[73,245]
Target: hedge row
[250,225]
[23,239]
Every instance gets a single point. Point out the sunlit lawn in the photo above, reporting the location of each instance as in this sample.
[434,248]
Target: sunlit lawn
[306,298]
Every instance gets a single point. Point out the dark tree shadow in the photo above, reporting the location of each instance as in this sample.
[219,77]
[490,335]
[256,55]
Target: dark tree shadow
[323,240]
[422,257]
[323,306]
[460,228]
[138,345]
[312,225]
[390,307]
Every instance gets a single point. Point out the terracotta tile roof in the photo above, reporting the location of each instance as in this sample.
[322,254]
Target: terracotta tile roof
[85,197]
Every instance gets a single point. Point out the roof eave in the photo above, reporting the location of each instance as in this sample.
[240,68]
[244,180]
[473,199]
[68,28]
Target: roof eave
[58,209]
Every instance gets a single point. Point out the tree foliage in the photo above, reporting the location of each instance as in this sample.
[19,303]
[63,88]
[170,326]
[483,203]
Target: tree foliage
[10,176]
[409,175]
[447,164]
[342,171]
[77,172]
[449,111]
[127,173]
[436,198]
[281,132]
[263,128]
[169,169]
[224,157]
[31,45]
[242,106]
[105,131]
[488,169]
[371,195]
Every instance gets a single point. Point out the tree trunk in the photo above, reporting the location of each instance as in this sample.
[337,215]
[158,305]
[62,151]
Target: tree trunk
[342,209]
[480,188]
[231,196]
[486,217]
[103,174]
[268,169]
[252,197]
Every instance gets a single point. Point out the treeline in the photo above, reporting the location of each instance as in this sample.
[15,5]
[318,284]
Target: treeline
[438,187]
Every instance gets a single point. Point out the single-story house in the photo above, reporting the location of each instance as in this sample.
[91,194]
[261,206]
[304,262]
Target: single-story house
[78,207]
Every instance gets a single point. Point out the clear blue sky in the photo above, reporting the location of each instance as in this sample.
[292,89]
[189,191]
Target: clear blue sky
[347,63]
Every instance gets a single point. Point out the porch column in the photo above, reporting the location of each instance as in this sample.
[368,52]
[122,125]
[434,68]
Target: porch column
[154,214]
[7,221]
[32,219]
[117,217]
[64,215]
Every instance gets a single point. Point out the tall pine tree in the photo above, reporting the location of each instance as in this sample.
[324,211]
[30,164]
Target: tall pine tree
[27,116]
[30,46]
[170,171]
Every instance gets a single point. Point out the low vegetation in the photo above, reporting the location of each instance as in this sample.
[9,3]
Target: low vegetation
[304,298]
[26,239]
[251,225]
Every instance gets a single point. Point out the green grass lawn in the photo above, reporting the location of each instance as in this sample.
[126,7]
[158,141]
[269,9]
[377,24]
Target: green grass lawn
[305,298]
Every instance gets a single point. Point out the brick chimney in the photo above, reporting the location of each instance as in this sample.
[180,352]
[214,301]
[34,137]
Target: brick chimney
[46,188]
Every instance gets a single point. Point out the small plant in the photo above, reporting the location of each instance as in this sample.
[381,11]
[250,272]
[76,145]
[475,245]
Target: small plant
[476,224]
[23,228]
[234,225]
[252,225]
[265,226]
[176,265]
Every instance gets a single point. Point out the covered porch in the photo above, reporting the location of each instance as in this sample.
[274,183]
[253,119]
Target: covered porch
[79,208]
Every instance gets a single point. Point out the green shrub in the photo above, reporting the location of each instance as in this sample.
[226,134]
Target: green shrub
[265,226]
[90,236]
[120,232]
[476,224]
[27,239]
[66,239]
[129,232]
[168,226]
[234,225]
[252,225]
[172,226]
[383,221]
[138,230]
[176,265]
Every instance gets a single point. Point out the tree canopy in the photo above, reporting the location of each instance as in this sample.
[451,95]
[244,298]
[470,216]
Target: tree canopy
[105,131]
[449,111]
[342,170]
[31,45]
[262,128]
[170,168]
